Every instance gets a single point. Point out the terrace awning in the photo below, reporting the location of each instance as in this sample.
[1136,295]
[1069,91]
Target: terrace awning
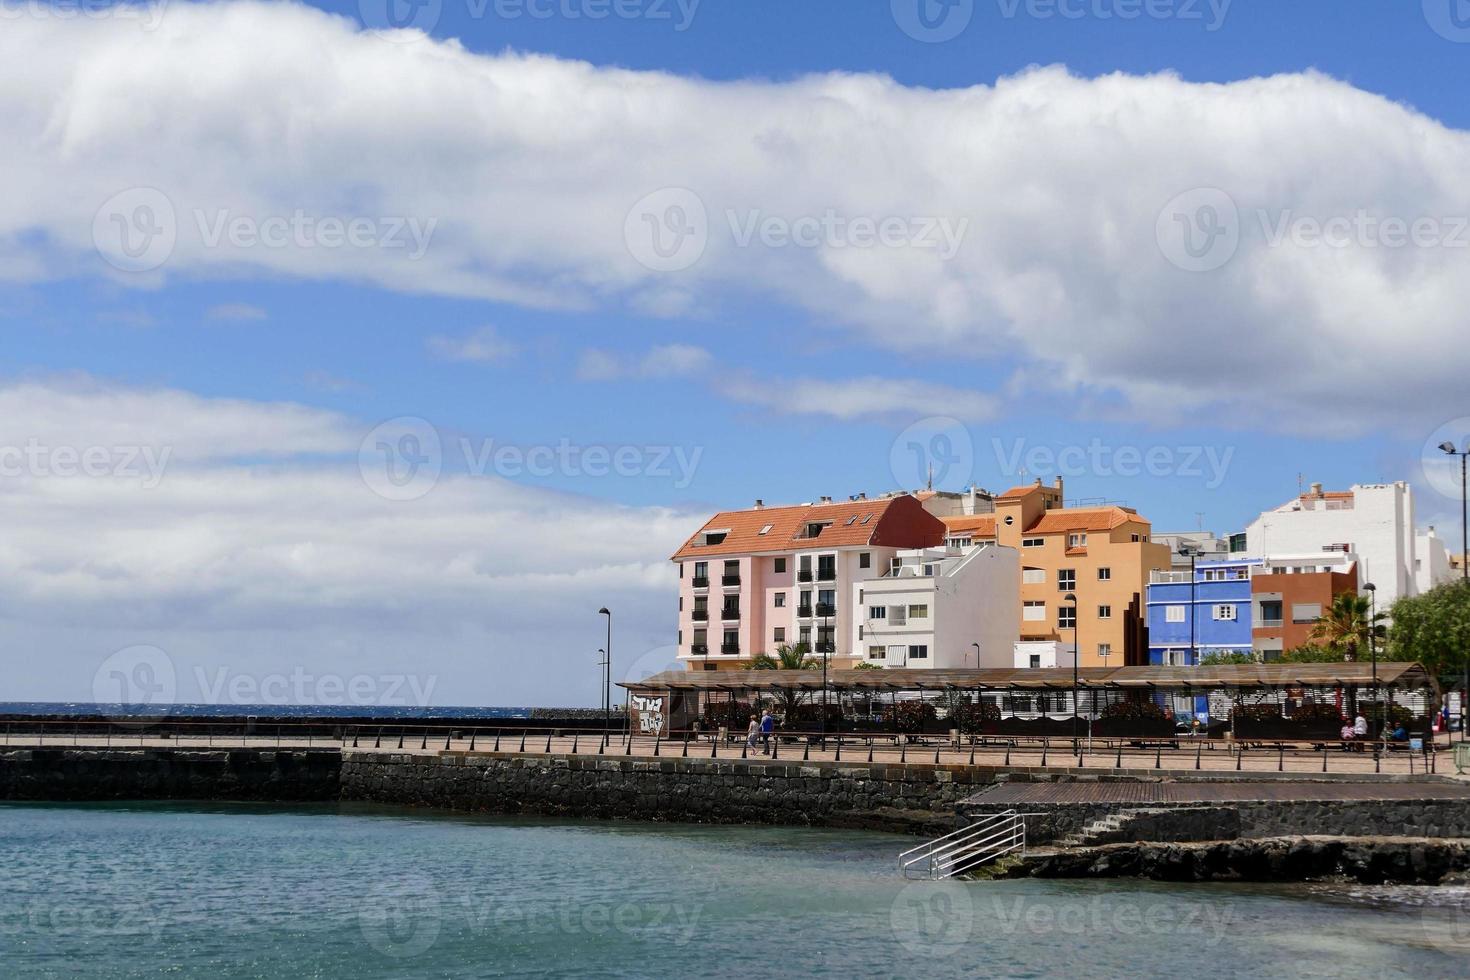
[1225,677]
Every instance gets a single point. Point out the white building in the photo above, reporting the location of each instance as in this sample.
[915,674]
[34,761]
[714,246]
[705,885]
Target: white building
[934,605]
[1373,521]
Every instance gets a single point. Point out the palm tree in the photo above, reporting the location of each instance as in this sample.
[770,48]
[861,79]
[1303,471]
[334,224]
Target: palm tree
[1348,625]
[789,656]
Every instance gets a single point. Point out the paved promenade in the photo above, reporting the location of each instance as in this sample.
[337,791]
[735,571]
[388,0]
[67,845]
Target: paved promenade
[1234,791]
[1189,756]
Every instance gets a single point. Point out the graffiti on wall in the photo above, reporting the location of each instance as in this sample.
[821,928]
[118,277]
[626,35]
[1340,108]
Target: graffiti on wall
[650,713]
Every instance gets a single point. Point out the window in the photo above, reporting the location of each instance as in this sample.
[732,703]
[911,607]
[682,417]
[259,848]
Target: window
[1134,538]
[1033,576]
[865,560]
[780,565]
[714,537]
[1035,660]
[1066,579]
[826,568]
[824,640]
[780,600]
[1271,612]
[1105,650]
[1104,612]
[1104,574]
[1032,611]
[1306,612]
[765,529]
[1225,612]
[877,653]
[877,612]
[1173,614]
[920,652]
[896,616]
[1066,617]
[804,635]
[919,612]
[1076,541]
[1033,542]
[701,641]
[681,603]
[780,634]
[860,632]
[701,572]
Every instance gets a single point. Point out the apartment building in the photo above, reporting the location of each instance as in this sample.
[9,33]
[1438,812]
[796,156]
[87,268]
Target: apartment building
[1199,611]
[1373,521]
[1289,593]
[1103,556]
[942,608]
[751,580]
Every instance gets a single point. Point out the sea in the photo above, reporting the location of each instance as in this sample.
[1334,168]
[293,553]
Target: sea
[135,890]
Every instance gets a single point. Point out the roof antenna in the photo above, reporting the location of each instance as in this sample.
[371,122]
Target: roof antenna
[930,484]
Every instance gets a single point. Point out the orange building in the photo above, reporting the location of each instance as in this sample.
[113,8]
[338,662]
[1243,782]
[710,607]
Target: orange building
[1101,555]
[1289,595]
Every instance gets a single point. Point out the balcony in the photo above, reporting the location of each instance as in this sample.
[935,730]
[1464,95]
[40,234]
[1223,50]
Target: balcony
[804,612]
[826,609]
[700,649]
[805,575]
[730,579]
[1264,623]
[729,648]
[701,581]
[729,614]
[700,615]
[827,648]
[826,575]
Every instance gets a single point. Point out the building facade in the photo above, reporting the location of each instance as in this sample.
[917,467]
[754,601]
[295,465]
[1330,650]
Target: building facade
[752,580]
[1289,593]
[1103,556]
[1208,610]
[1373,521]
[941,608]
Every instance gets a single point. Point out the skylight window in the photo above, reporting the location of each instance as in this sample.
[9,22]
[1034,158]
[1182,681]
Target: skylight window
[867,518]
[766,529]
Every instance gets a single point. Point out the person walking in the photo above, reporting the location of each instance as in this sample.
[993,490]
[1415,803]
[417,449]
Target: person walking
[753,732]
[768,725]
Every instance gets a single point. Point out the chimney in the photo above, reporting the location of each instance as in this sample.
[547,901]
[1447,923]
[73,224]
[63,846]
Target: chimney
[1316,489]
[759,503]
[826,500]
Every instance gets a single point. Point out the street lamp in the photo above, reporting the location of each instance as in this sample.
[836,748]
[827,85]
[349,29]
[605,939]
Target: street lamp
[1192,552]
[605,665]
[1071,599]
[1373,646]
[607,686]
[1449,449]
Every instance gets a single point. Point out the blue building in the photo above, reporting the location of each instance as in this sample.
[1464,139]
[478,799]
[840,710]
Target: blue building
[1191,615]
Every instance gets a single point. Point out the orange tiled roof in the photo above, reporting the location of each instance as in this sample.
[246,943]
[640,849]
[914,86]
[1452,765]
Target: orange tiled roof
[743,528]
[1083,519]
[980,525]
[1328,495]
[1015,492]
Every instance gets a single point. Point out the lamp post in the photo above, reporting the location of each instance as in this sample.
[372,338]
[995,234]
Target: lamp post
[1373,647]
[607,685]
[603,665]
[1449,449]
[1192,551]
[823,645]
[1071,599]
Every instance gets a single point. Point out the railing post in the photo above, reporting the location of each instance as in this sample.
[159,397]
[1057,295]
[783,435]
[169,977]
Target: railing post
[714,745]
[1045,744]
[1158,757]
[629,749]
[972,751]
[523,740]
[745,749]
[576,738]
[378,740]
[1325,754]
[1118,762]
[1008,754]
[685,753]
[400,738]
[448,736]
[497,740]
[903,750]
[806,752]
[775,746]
[838,757]
[602,746]
[1239,757]
[1199,748]
[656,737]
[472,739]
[1377,758]
[1281,758]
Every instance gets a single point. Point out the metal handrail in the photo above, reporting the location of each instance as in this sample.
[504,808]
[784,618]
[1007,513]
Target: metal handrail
[968,847]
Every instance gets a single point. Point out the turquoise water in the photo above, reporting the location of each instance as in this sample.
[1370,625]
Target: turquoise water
[248,891]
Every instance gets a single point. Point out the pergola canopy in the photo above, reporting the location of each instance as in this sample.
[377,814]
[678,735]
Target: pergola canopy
[1227,676]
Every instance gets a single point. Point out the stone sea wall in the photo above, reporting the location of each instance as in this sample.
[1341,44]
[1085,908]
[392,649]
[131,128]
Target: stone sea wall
[298,776]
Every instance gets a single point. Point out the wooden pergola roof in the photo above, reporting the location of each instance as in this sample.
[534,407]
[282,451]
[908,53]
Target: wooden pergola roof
[1231,676]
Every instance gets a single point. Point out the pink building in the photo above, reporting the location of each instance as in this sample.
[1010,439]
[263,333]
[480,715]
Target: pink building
[751,580]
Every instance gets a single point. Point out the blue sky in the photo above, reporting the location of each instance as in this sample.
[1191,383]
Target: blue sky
[712,368]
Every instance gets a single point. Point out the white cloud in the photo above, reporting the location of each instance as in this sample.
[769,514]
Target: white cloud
[234,311]
[488,586]
[484,346]
[861,398]
[662,362]
[1060,180]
